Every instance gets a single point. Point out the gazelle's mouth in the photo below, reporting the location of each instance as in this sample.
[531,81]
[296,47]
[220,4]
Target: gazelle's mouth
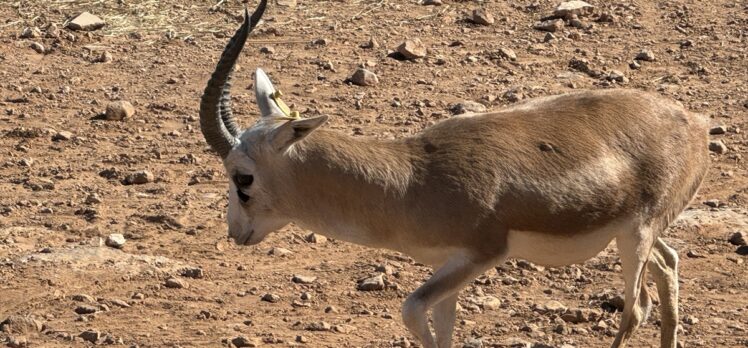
[244,240]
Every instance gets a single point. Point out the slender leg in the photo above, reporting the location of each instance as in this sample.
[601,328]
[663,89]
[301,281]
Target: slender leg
[446,282]
[443,316]
[663,265]
[634,249]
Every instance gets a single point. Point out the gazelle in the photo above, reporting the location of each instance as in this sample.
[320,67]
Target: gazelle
[553,180]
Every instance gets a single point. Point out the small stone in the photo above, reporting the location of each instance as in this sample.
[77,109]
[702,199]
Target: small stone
[104,57]
[286,3]
[363,77]
[508,53]
[712,203]
[569,8]
[473,343]
[617,76]
[374,283]
[468,107]
[412,49]
[280,251]
[243,341]
[552,25]
[739,238]
[343,328]
[318,326]
[552,307]
[83,298]
[549,37]
[39,48]
[634,65]
[488,302]
[138,178]
[482,17]
[93,199]
[694,254]
[30,33]
[192,272]
[120,303]
[646,55]
[115,240]
[717,146]
[138,296]
[315,238]
[85,309]
[742,250]
[717,130]
[62,136]
[300,279]
[90,336]
[372,43]
[432,3]
[307,296]
[600,326]
[302,339]
[331,309]
[690,320]
[86,22]
[272,298]
[267,50]
[176,283]
[21,324]
[119,110]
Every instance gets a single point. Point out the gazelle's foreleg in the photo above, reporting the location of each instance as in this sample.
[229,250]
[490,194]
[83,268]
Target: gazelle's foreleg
[445,283]
[663,264]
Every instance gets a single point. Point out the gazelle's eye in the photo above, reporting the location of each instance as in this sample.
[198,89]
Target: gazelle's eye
[243,180]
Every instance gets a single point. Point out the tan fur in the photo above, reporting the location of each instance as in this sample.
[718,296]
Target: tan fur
[467,180]
[579,169]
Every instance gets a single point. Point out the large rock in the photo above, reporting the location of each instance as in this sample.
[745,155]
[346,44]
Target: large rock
[21,325]
[412,49]
[482,17]
[374,283]
[570,8]
[115,240]
[119,110]
[363,77]
[138,178]
[86,22]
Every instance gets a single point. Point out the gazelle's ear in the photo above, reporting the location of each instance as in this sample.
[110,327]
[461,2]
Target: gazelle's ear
[264,91]
[295,130]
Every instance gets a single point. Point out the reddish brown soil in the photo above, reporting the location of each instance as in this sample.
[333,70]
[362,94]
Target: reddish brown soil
[50,232]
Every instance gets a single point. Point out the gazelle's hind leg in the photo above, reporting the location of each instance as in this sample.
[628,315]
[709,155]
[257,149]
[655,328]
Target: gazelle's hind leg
[634,248]
[663,264]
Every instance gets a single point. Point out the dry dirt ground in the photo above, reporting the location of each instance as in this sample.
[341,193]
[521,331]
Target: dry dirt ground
[62,194]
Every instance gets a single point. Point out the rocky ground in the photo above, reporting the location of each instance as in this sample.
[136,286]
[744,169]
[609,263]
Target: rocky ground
[112,207]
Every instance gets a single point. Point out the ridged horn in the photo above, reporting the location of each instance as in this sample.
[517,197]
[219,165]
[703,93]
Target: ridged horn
[216,120]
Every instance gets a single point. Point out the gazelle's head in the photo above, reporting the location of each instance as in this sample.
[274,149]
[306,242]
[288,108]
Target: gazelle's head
[254,158]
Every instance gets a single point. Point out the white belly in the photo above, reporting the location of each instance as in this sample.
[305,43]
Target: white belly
[561,250]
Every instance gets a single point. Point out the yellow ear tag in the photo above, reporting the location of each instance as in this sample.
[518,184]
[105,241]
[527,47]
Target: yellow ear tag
[282,105]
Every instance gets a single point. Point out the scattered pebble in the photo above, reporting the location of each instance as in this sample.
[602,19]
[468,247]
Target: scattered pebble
[300,279]
[412,49]
[468,107]
[138,178]
[86,22]
[374,283]
[482,17]
[717,146]
[62,136]
[243,341]
[176,283]
[738,238]
[85,309]
[92,336]
[569,8]
[318,326]
[104,57]
[280,251]
[30,33]
[508,53]
[272,298]
[552,25]
[646,55]
[39,48]
[315,238]
[717,130]
[115,240]
[363,77]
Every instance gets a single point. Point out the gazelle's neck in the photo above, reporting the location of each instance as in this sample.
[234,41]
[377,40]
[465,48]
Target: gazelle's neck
[344,183]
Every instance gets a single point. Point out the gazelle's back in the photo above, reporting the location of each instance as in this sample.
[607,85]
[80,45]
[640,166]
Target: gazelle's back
[580,160]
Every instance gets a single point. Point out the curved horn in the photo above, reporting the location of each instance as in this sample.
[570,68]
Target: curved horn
[216,121]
